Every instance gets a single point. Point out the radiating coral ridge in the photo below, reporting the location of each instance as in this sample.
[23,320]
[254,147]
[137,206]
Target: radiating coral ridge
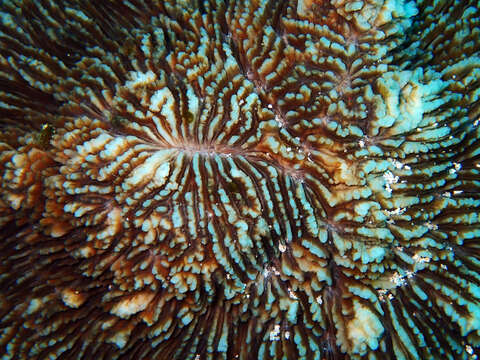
[262,179]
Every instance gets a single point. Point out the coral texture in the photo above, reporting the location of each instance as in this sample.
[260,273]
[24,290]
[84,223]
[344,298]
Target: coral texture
[262,179]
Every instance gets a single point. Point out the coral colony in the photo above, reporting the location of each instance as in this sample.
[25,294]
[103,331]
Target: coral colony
[248,179]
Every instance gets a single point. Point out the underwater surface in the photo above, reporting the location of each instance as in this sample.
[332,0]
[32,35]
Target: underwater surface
[220,179]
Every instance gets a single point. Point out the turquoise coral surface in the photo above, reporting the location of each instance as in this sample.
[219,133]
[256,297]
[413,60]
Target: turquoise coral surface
[262,179]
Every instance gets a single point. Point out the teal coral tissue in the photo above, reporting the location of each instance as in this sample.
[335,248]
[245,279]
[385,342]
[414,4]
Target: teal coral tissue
[252,179]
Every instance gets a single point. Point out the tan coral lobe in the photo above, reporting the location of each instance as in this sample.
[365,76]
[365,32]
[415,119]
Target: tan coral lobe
[255,179]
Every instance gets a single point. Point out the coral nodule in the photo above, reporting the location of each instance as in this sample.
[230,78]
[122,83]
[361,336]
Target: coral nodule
[218,179]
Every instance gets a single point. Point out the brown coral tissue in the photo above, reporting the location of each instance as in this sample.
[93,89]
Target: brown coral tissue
[239,179]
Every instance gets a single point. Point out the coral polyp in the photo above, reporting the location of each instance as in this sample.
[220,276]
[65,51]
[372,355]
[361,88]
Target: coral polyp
[239,179]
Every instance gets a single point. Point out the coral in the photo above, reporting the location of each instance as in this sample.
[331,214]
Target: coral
[262,179]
